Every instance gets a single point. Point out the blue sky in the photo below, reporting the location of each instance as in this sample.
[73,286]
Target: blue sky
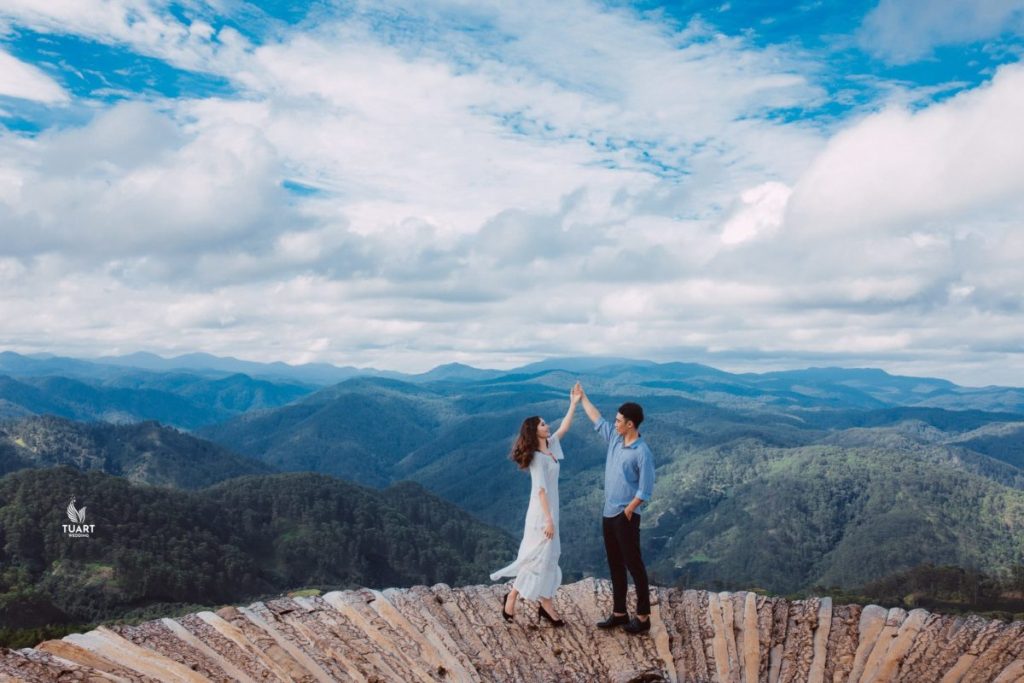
[399,184]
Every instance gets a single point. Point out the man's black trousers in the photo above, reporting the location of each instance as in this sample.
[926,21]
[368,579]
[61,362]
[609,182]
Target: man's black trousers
[622,544]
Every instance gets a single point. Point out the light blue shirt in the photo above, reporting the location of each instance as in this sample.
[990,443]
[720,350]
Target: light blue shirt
[628,470]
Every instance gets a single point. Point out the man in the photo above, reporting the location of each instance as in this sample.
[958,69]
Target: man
[628,484]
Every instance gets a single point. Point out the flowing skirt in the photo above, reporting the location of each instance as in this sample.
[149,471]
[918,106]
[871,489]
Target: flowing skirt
[536,570]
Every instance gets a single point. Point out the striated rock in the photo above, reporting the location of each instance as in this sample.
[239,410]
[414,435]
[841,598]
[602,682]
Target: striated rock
[438,633]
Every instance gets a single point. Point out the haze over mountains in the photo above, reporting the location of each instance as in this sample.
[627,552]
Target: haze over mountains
[780,480]
[226,386]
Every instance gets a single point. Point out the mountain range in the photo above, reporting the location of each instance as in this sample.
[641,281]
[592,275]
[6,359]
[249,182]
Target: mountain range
[846,387]
[779,480]
[778,488]
[187,401]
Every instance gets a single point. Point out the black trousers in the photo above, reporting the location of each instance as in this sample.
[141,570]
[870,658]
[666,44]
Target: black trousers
[622,544]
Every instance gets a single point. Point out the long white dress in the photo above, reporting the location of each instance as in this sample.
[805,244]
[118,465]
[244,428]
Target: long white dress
[536,570]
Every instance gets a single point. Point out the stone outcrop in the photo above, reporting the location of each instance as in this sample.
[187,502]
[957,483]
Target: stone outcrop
[445,634]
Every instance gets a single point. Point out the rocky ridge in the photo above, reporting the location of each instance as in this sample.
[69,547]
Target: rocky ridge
[439,633]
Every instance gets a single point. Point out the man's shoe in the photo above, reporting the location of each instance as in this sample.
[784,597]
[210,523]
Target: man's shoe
[637,626]
[613,621]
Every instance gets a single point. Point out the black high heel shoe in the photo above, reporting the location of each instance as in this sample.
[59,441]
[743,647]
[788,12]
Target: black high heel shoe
[508,617]
[543,613]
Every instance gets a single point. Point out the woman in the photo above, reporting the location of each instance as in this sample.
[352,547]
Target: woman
[536,571]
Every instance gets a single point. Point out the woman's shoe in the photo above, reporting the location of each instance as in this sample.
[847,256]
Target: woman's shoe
[508,617]
[541,612]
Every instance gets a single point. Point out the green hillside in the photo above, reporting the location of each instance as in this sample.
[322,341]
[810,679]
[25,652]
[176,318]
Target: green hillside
[242,538]
[145,452]
[781,481]
[785,519]
[749,492]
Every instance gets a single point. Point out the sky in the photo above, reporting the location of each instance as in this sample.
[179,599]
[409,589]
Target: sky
[399,184]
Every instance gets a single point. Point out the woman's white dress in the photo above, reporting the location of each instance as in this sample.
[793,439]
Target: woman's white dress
[536,570]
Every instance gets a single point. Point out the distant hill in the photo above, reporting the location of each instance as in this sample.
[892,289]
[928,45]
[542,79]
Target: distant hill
[182,400]
[355,430]
[145,452]
[727,445]
[154,548]
[314,373]
[18,365]
[362,428]
[455,372]
[78,400]
[860,388]
[780,454]
[1002,441]
[222,397]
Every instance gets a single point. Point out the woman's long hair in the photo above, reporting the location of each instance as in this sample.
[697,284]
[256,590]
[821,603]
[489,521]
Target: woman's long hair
[527,443]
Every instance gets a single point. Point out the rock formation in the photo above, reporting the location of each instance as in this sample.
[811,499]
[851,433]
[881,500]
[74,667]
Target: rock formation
[445,634]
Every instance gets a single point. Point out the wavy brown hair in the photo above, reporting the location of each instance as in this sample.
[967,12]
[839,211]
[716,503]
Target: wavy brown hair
[526,443]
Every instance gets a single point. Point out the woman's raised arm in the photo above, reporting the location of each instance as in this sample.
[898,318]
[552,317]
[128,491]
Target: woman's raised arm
[574,399]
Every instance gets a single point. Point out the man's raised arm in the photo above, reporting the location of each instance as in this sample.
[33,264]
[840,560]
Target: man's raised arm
[592,412]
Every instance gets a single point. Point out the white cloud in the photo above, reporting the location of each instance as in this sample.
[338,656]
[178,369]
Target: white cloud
[146,26]
[904,31]
[760,214]
[18,79]
[579,180]
[903,171]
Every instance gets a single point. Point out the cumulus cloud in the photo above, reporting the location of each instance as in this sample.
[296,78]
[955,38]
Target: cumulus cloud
[761,213]
[911,170]
[18,79]
[562,178]
[133,182]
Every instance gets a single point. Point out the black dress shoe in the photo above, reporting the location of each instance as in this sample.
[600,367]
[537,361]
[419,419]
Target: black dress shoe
[508,617]
[613,621]
[541,612]
[637,626]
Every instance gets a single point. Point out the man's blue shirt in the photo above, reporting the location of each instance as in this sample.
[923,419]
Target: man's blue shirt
[628,470]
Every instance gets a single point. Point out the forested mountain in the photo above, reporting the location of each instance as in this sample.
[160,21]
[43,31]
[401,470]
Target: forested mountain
[859,388]
[144,452]
[156,547]
[833,514]
[775,480]
[781,489]
[178,399]
[357,430]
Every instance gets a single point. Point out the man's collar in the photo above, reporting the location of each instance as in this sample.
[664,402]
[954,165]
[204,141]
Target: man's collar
[639,438]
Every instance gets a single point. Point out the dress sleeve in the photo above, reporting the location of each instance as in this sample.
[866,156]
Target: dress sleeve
[556,447]
[537,483]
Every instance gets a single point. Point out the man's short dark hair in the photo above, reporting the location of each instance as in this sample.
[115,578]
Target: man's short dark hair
[632,412]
